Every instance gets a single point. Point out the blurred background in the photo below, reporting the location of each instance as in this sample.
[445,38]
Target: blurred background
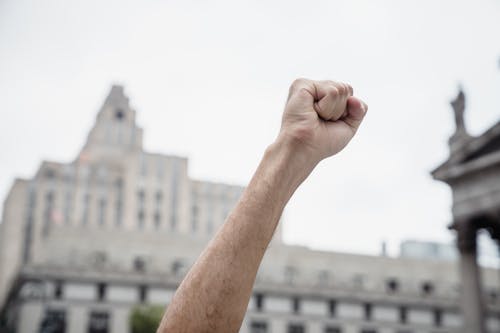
[207,81]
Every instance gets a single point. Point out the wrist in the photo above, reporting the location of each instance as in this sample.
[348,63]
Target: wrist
[296,152]
[292,161]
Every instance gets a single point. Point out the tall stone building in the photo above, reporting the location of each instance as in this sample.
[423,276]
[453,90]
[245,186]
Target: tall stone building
[70,213]
[82,243]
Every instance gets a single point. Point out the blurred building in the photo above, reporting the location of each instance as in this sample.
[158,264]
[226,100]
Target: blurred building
[473,173]
[82,243]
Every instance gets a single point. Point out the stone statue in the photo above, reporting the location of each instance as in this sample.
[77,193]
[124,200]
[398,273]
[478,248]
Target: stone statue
[458,105]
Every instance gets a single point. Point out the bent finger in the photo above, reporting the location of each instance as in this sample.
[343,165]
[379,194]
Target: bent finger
[355,112]
[331,99]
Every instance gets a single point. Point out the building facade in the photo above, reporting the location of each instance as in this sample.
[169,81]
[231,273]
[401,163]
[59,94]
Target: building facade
[83,243]
[473,173]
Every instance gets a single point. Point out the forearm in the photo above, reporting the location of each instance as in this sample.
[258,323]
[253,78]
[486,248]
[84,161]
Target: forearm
[320,118]
[214,295]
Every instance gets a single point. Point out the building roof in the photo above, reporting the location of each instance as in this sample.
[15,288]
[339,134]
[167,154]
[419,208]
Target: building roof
[468,153]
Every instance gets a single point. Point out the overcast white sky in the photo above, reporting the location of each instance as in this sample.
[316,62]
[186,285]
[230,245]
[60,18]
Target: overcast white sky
[209,80]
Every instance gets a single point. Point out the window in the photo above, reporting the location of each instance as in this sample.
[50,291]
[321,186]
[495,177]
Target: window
[493,296]
[28,233]
[159,198]
[438,317]
[119,114]
[54,321]
[140,208]
[98,322]
[392,285]
[102,211]
[296,328]
[157,218]
[290,274]
[58,290]
[139,265]
[50,174]
[140,196]
[296,305]
[332,307]
[258,327]
[427,288]
[368,312]
[173,221]
[101,291]
[143,165]
[140,219]
[173,194]
[143,290]
[47,214]
[159,204]
[99,259]
[85,210]
[332,329]
[160,168]
[259,302]
[403,315]
[209,213]
[194,218]
[67,207]
[119,134]
[177,267]
[119,201]
[323,277]
[118,212]
[358,281]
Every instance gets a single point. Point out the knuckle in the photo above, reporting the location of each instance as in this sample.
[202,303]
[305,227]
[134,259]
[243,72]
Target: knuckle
[302,92]
[333,91]
[347,88]
[297,83]
[341,89]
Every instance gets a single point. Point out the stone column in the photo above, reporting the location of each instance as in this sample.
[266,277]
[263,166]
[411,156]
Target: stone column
[471,295]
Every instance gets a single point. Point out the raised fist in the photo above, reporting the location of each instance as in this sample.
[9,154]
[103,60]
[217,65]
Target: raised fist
[321,117]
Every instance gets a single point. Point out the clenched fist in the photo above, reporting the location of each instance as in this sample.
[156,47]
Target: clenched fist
[321,117]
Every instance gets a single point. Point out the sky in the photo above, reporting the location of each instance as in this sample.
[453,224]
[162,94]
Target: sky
[209,80]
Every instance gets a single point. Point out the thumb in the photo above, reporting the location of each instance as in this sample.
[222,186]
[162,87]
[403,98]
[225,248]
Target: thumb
[355,112]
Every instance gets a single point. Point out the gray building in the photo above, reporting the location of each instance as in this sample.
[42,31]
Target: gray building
[82,243]
[473,172]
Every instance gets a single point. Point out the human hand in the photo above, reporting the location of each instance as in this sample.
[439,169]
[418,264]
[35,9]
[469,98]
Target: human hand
[321,117]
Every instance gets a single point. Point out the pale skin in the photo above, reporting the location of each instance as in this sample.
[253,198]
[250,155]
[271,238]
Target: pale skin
[319,120]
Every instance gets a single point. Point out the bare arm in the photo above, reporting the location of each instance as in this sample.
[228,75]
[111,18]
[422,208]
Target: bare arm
[320,118]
